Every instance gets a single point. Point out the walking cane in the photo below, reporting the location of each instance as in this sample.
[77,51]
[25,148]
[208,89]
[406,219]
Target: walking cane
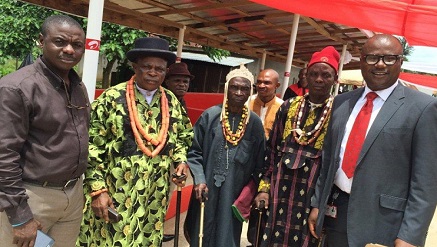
[322,241]
[202,213]
[178,217]
[258,227]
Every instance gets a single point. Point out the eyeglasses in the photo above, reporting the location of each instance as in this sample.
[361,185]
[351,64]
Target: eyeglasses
[71,105]
[372,59]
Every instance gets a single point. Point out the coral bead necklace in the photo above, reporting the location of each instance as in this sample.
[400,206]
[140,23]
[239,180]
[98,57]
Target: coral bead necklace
[231,137]
[138,129]
[298,133]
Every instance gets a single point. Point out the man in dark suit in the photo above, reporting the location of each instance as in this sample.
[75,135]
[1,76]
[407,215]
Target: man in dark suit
[386,194]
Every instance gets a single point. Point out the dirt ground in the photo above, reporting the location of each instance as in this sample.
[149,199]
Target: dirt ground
[169,228]
[431,240]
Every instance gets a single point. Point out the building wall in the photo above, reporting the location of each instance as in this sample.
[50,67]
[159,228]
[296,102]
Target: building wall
[209,77]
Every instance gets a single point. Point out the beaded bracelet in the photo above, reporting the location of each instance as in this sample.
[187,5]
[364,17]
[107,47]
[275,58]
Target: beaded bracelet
[264,186]
[98,192]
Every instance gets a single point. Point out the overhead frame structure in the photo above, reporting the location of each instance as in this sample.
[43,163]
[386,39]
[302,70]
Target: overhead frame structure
[239,26]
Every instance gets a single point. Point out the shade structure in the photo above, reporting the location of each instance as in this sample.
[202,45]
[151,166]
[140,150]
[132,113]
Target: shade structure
[416,20]
[420,80]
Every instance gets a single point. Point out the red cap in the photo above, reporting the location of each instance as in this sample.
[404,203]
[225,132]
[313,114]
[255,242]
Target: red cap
[328,55]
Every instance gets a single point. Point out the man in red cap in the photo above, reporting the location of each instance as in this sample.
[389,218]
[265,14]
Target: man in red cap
[293,155]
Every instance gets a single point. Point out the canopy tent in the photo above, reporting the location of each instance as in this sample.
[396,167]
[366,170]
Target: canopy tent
[240,26]
[256,30]
[351,77]
[426,81]
[354,77]
[414,19]
[420,67]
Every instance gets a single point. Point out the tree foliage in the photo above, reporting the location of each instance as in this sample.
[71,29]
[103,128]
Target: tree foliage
[20,25]
[19,28]
[215,54]
[407,49]
[116,41]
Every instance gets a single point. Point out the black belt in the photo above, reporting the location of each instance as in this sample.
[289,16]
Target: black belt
[53,185]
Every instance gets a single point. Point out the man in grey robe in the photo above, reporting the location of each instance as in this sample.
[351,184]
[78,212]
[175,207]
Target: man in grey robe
[227,151]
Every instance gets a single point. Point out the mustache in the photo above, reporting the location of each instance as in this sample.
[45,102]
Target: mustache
[67,57]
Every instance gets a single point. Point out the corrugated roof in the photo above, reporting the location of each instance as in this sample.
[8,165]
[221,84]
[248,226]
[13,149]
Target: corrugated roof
[228,61]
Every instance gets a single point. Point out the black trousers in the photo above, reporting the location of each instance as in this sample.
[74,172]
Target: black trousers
[336,228]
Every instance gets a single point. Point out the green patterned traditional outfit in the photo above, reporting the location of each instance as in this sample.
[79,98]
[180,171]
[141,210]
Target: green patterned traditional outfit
[137,184]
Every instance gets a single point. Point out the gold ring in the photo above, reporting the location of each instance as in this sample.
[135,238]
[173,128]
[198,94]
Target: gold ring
[182,182]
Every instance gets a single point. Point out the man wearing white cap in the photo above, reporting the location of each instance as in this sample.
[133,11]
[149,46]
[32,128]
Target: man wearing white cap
[227,152]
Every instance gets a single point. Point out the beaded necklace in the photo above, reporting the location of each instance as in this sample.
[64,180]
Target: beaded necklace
[138,129]
[231,137]
[299,133]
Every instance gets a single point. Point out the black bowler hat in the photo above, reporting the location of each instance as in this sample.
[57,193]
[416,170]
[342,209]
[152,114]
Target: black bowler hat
[151,47]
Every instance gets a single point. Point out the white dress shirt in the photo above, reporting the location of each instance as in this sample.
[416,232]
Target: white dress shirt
[341,180]
[147,94]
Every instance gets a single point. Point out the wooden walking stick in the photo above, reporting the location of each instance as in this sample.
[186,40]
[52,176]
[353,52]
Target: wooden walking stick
[202,214]
[258,225]
[178,217]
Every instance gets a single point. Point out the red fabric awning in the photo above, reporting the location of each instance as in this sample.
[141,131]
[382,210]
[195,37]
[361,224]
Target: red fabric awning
[420,80]
[416,20]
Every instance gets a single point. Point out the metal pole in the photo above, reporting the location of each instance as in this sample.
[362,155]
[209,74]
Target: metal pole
[290,54]
[92,46]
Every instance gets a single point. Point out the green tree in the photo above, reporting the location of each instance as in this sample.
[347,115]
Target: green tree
[20,26]
[19,29]
[407,49]
[116,41]
[215,54]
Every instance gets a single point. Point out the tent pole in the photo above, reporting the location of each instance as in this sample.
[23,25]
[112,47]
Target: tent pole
[290,53]
[180,44]
[340,69]
[263,61]
[92,46]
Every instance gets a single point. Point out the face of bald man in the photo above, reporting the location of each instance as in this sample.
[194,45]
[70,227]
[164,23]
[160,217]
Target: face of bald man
[380,76]
[266,84]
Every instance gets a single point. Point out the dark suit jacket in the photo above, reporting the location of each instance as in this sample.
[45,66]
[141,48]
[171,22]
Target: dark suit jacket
[394,192]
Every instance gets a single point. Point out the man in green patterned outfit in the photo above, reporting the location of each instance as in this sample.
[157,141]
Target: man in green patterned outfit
[138,131]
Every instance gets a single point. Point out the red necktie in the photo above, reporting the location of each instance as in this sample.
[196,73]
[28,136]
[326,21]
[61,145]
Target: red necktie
[357,136]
